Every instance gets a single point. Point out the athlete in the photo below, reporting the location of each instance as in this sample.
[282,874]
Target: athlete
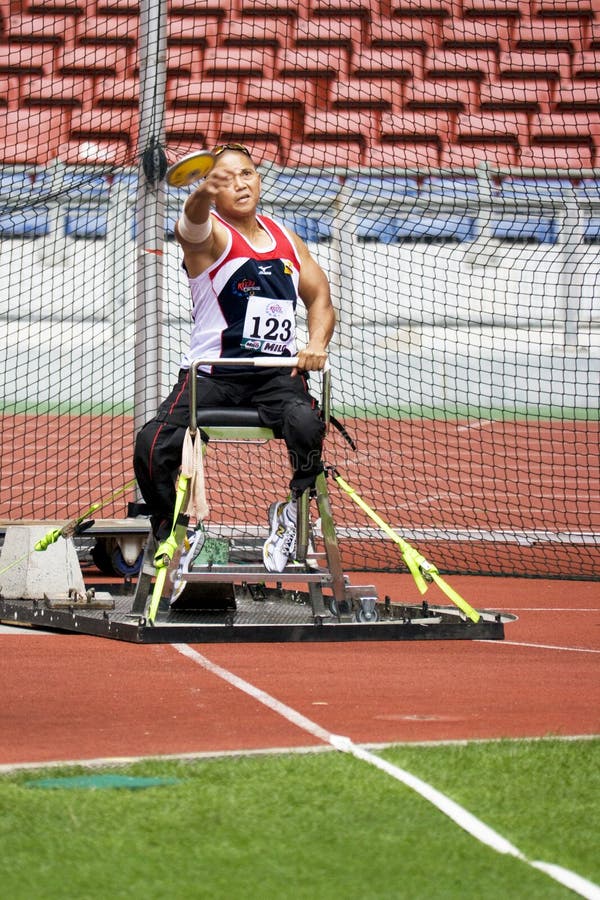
[246,273]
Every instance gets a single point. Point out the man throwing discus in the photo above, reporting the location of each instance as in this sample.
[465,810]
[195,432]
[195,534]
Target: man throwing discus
[246,274]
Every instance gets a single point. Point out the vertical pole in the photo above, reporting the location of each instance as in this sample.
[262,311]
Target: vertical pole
[150,212]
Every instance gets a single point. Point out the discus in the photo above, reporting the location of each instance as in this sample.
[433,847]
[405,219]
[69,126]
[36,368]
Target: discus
[190,168]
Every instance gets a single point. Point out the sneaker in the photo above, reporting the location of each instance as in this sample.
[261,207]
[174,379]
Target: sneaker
[281,543]
[192,545]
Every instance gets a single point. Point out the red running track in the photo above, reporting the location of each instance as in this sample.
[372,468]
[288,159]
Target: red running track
[75,697]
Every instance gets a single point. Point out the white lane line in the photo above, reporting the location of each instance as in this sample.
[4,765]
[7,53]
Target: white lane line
[540,646]
[464,819]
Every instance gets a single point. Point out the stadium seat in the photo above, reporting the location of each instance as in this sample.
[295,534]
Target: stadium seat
[311,191]
[384,188]
[449,189]
[528,229]
[86,222]
[118,7]
[97,61]
[291,8]
[25,223]
[323,33]
[9,91]
[185,130]
[31,135]
[61,7]
[473,155]
[266,92]
[531,95]
[593,40]
[440,93]
[406,155]
[256,31]
[123,92]
[96,152]
[305,63]
[423,8]
[183,61]
[549,157]
[266,126]
[501,127]
[427,127]
[239,62]
[475,34]
[193,8]
[77,185]
[363,8]
[578,95]
[205,93]
[585,64]
[535,64]
[591,230]
[526,190]
[325,154]
[479,64]
[356,127]
[559,8]
[364,93]
[505,8]
[405,62]
[109,124]
[552,34]
[16,186]
[28,28]
[582,127]
[193,31]
[421,34]
[52,91]
[26,59]
[108,31]
[446,227]
[309,227]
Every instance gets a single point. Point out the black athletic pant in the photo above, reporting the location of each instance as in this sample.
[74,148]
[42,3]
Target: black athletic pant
[283,404]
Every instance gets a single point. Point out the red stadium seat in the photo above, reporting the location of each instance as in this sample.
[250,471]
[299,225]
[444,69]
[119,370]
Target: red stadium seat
[551,34]
[502,127]
[118,7]
[480,64]
[273,126]
[52,91]
[505,8]
[331,63]
[323,154]
[578,95]
[406,32]
[324,8]
[555,157]
[184,60]
[364,93]
[418,127]
[186,131]
[535,64]
[199,8]
[192,31]
[405,155]
[440,93]
[265,92]
[586,64]
[256,31]
[108,30]
[31,136]
[470,156]
[185,93]
[96,152]
[395,62]
[117,92]
[43,29]
[111,124]
[532,95]
[559,127]
[291,8]
[325,32]
[26,59]
[593,42]
[559,8]
[61,7]
[423,8]
[9,92]
[475,34]
[355,127]
[93,61]
[239,62]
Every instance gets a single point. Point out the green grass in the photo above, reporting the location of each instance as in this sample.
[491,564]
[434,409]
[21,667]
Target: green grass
[306,826]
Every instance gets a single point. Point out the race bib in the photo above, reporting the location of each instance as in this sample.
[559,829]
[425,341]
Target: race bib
[269,326]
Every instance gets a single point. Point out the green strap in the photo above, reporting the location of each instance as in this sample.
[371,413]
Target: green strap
[166,549]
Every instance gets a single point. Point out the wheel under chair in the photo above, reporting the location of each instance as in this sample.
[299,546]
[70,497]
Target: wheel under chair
[208,580]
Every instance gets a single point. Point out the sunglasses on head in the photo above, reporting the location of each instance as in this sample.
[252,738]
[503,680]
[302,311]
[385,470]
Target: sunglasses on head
[221,148]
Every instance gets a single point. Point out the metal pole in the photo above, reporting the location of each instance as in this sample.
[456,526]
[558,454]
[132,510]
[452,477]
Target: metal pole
[150,212]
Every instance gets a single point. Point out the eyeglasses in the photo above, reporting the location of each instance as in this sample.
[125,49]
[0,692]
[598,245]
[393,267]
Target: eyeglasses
[221,148]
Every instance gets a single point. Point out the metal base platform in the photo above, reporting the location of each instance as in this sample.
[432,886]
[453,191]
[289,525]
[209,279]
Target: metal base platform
[257,615]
